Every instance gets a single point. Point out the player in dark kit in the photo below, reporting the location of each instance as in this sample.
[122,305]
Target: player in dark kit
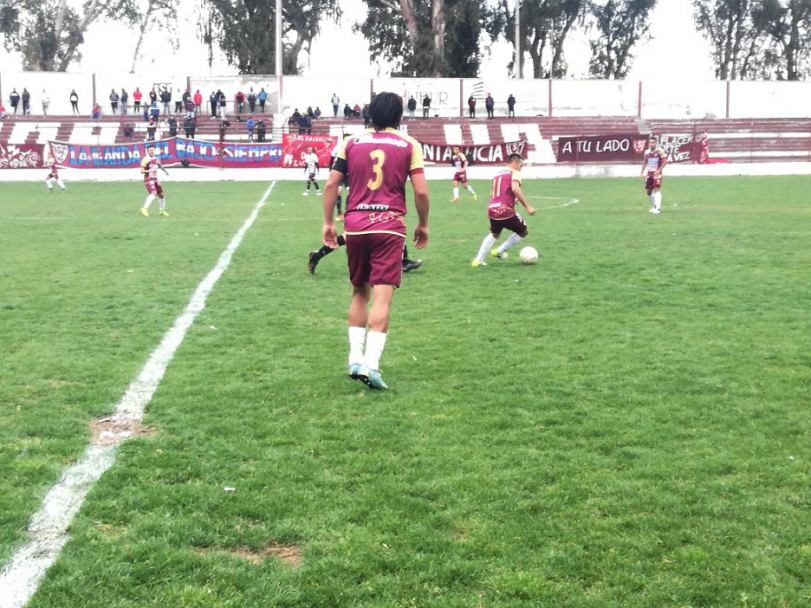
[378,164]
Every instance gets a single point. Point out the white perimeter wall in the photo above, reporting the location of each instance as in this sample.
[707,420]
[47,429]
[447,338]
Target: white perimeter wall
[649,99]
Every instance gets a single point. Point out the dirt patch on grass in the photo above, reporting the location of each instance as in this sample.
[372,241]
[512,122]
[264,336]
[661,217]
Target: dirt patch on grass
[290,554]
[112,430]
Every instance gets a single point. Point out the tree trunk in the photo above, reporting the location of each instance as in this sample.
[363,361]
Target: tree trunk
[438,27]
[144,25]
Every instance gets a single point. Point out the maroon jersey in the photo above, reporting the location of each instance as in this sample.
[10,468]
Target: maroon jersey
[378,164]
[151,164]
[502,197]
[54,171]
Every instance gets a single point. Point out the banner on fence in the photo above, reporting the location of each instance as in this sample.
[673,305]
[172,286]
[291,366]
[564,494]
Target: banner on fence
[493,153]
[295,147]
[615,148]
[177,150]
[21,156]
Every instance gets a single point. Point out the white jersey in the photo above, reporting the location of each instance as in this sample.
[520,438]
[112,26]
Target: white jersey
[311,162]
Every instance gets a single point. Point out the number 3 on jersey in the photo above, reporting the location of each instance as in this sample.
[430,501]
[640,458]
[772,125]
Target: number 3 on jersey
[379,158]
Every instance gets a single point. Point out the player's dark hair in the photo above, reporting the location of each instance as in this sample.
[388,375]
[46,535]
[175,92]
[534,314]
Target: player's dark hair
[386,110]
[514,157]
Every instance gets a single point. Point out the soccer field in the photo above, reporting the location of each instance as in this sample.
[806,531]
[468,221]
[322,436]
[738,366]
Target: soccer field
[624,424]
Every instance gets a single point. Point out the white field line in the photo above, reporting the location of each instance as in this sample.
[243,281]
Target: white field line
[48,528]
[569,201]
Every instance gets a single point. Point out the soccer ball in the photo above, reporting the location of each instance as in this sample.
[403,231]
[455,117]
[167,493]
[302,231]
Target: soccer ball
[528,255]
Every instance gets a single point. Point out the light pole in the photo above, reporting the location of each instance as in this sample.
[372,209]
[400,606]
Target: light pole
[279,54]
[518,71]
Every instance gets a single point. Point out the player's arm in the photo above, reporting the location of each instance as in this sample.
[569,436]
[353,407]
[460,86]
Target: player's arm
[160,166]
[464,162]
[519,196]
[144,170]
[644,165]
[662,161]
[421,202]
[336,177]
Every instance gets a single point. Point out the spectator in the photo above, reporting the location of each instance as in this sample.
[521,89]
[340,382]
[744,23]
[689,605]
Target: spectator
[261,129]
[336,101]
[296,117]
[46,102]
[180,100]
[471,105]
[356,111]
[153,96]
[96,112]
[412,107]
[222,101]
[166,99]
[189,126]
[263,97]
[136,100]
[310,112]
[74,101]
[347,112]
[14,98]
[426,106]
[114,101]
[198,101]
[171,122]
[317,113]
[214,99]
[124,99]
[154,110]
[224,124]
[250,125]
[151,127]
[128,131]
[489,104]
[2,110]
[511,106]
[240,102]
[252,101]
[190,107]
[26,102]
[365,115]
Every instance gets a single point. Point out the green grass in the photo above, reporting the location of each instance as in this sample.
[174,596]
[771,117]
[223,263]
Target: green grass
[609,428]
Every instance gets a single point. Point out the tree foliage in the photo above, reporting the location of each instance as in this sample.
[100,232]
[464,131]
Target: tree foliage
[245,30]
[429,38]
[545,26]
[620,25]
[48,33]
[159,14]
[757,38]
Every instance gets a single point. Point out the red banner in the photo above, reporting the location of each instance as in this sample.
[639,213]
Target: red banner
[490,154]
[294,147]
[614,148]
[22,156]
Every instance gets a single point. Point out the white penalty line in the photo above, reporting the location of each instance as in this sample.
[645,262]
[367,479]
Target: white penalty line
[569,203]
[47,530]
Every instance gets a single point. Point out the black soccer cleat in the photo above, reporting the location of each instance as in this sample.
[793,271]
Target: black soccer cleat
[409,265]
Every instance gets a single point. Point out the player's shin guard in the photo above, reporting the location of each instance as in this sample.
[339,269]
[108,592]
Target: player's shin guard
[487,244]
[470,190]
[148,201]
[652,199]
[456,193]
[162,203]
[510,242]
[339,203]
[61,183]
[375,343]
[49,183]
[357,340]
[657,200]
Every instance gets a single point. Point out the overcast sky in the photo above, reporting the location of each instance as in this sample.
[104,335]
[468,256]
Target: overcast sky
[676,51]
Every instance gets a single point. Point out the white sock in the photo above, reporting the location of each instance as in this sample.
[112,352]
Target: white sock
[148,201]
[469,189]
[456,193]
[162,203]
[487,244]
[375,343]
[652,199]
[49,183]
[657,200]
[357,338]
[61,183]
[510,242]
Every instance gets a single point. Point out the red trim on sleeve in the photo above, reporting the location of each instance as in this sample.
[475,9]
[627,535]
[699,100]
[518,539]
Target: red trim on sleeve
[416,171]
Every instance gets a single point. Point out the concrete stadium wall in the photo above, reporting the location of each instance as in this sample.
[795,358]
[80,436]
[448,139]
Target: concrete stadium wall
[646,99]
[433,173]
